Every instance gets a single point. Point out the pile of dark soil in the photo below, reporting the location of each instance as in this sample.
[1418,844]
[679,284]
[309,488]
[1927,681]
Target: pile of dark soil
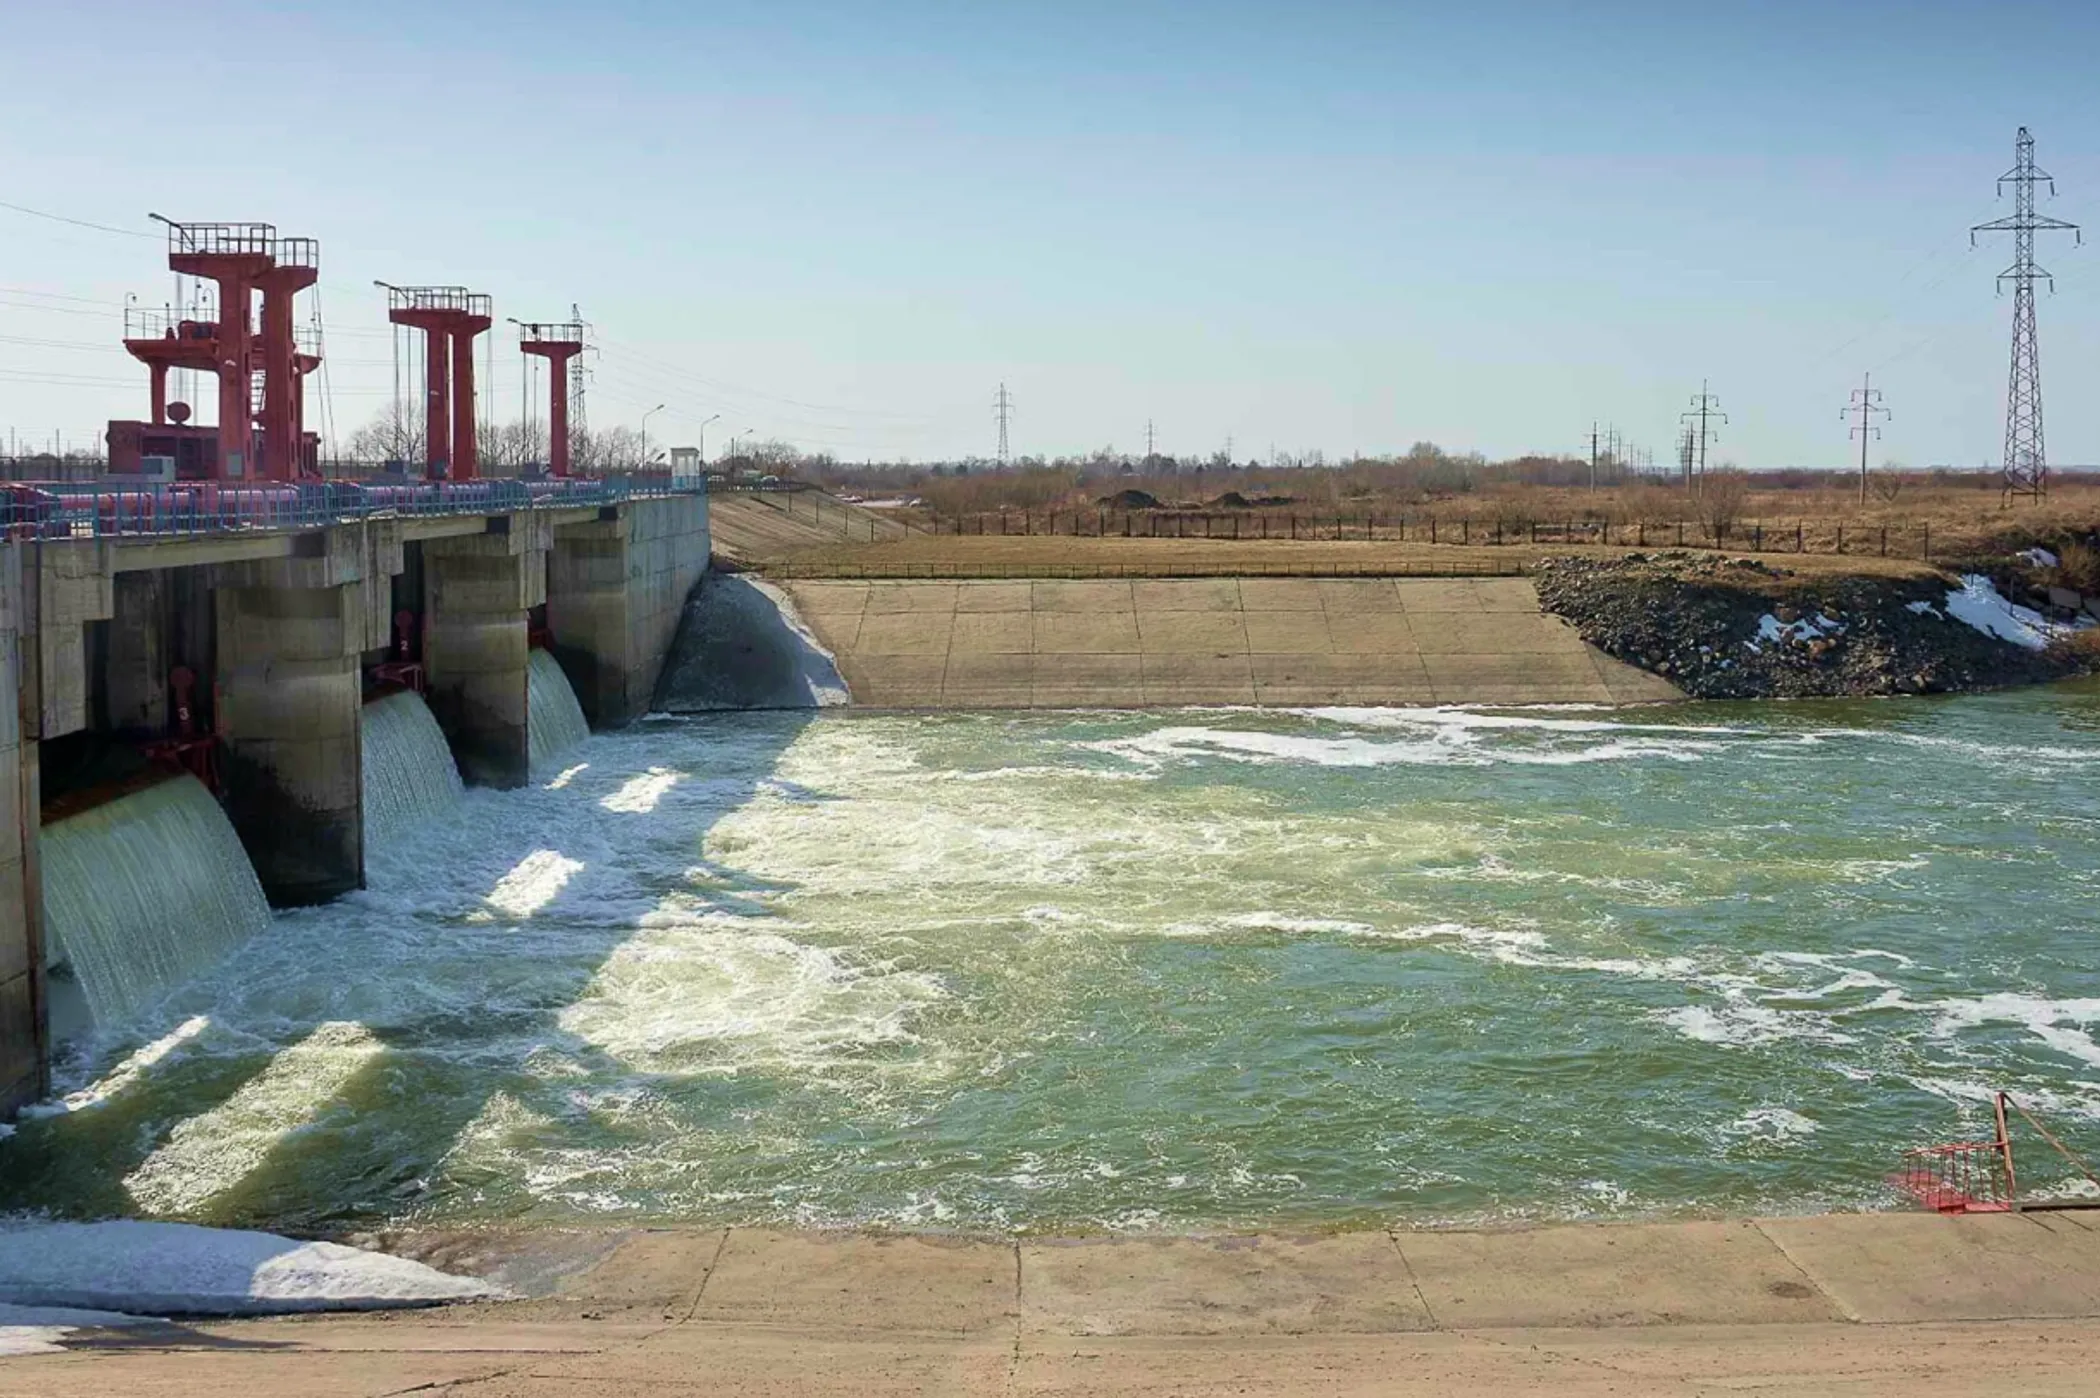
[1129,500]
[1736,628]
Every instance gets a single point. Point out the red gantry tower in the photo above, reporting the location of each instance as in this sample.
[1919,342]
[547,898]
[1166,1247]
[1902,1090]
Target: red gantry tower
[261,375]
[449,317]
[557,342]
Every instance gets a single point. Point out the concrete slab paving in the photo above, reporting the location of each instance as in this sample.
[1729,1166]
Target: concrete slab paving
[1170,679]
[997,632]
[1088,681]
[1086,633]
[1438,595]
[1192,633]
[905,633]
[827,1281]
[1371,633]
[1352,596]
[1092,596]
[1287,633]
[983,596]
[1186,594]
[1266,1284]
[1686,1273]
[1340,679]
[1922,1267]
[1495,633]
[896,681]
[1281,595]
[988,680]
[911,597]
[1485,642]
[715,1359]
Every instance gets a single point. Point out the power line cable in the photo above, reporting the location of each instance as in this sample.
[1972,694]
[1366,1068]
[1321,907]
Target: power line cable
[78,222]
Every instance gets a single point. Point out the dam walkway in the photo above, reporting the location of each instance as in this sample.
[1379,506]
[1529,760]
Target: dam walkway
[1867,1305]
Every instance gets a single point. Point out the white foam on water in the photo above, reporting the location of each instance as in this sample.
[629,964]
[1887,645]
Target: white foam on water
[536,881]
[1739,1024]
[1771,1124]
[640,794]
[2061,1024]
[207,1154]
[130,1070]
[1442,746]
[1312,926]
[689,995]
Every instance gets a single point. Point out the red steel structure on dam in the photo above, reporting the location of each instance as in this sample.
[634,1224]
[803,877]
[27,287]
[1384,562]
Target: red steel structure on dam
[449,317]
[558,343]
[260,432]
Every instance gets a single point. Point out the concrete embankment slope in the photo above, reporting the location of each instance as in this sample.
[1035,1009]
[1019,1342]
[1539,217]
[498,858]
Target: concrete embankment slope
[1871,1306]
[1171,641]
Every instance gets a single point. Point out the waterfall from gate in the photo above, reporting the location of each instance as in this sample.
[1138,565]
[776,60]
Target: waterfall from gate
[554,721]
[409,774]
[145,891]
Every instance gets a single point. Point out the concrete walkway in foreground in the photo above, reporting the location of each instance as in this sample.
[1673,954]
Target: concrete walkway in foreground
[1171,641]
[1859,1305]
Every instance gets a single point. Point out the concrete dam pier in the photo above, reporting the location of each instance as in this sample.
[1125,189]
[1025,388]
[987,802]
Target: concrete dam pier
[238,658]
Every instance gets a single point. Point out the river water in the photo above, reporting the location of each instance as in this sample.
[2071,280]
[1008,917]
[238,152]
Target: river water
[1148,971]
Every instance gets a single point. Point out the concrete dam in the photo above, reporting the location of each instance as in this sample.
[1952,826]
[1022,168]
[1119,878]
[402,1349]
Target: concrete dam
[218,710]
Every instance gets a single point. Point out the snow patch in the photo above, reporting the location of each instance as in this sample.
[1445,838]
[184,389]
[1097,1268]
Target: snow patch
[1924,609]
[1772,630]
[1978,603]
[179,1268]
[2037,558]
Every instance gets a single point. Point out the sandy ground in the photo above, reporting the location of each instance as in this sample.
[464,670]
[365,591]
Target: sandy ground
[1860,1305]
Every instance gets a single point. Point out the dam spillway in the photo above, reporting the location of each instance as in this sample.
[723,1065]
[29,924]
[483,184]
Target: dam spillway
[145,891]
[408,772]
[554,719]
[241,647]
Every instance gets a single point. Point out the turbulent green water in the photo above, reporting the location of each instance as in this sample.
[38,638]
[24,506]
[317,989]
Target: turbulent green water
[1159,971]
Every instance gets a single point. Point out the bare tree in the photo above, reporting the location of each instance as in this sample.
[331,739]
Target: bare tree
[395,433]
[1722,494]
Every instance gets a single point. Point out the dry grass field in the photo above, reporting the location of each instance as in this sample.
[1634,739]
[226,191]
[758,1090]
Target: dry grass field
[947,556]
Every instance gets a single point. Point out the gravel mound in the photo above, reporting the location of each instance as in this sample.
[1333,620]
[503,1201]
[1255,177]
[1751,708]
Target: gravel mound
[1737,628]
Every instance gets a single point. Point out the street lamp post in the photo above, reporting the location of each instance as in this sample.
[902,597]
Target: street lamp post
[703,439]
[645,431]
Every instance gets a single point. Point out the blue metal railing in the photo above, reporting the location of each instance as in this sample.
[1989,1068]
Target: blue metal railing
[87,510]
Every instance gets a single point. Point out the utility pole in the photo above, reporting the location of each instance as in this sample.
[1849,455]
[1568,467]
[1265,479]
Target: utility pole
[1004,405]
[576,387]
[1228,448]
[2026,463]
[1150,449]
[1705,409]
[1866,401]
[1593,453]
[1685,452]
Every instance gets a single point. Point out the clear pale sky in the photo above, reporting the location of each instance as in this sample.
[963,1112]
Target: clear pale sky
[1345,226]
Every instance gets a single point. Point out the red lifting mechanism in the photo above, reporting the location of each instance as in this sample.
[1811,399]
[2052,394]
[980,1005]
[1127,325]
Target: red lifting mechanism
[557,342]
[449,317]
[194,752]
[261,374]
[401,667]
[1976,1177]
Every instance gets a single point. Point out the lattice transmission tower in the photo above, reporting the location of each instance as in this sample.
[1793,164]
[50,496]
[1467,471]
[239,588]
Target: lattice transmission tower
[2026,459]
[1866,406]
[1705,412]
[579,428]
[1003,404]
